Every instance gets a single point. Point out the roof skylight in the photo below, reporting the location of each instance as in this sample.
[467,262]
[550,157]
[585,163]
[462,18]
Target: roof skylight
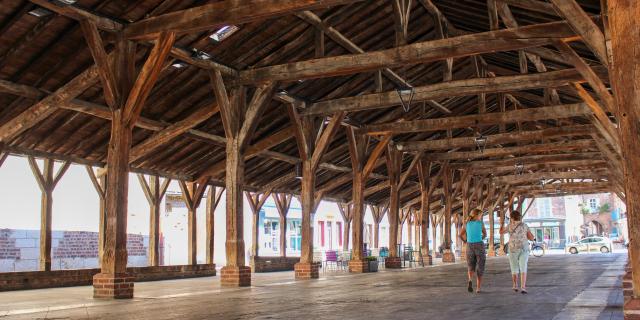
[224,33]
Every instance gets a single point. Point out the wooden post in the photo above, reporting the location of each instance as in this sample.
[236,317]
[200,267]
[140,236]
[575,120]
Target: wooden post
[378,213]
[47,182]
[447,256]
[129,99]
[283,202]
[100,184]
[434,235]
[362,165]
[213,198]
[394,167]
[466,207]
[306,130]
[491,252]
[625,79]
[346,210]
[239,122]
[256,201]
[192,196]
[424,172]
[154,192]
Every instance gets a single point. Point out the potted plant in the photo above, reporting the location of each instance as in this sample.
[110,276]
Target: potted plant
[373,263]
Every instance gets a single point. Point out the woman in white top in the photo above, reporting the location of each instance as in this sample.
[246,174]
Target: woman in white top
[519,235]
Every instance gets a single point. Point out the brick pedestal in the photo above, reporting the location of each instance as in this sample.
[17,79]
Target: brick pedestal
[448,257]
[306,271]
[235,276]
[632,309]
[627,285]
[491,253]
[113,286]
[359,266]
[428,260]
[393,263]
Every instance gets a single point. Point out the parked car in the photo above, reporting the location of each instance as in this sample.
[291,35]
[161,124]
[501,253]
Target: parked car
[590,244]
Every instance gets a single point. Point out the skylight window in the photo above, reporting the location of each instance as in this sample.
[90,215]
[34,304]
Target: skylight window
[39,12]
[224,33]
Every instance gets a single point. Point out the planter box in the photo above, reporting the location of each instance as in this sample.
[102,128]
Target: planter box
[373,266]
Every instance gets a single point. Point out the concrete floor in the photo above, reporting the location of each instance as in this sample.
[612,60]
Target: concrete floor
[586,286]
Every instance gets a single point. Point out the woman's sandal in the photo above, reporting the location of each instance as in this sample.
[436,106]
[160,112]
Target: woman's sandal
[470,286]
[523,291]
[515,289]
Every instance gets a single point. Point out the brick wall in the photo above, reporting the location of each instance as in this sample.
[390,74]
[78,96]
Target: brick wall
[270,264]
[20,250]
[66,278]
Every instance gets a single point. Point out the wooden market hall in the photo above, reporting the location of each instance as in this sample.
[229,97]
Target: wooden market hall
[422,110]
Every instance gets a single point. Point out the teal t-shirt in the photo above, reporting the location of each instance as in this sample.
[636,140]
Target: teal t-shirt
[474,231]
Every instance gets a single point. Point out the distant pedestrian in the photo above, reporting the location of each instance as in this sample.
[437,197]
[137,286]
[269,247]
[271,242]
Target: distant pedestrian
[519,233]
[472,233]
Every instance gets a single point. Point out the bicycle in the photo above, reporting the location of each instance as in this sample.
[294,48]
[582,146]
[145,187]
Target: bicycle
[537,250]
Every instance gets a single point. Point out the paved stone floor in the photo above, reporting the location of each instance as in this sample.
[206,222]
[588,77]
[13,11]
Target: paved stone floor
[586,286]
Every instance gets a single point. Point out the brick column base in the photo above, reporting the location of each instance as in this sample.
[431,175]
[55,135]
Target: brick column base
[428,260]
[492,253]
[631,309]
[113,286]
[393,263]
[358,266]
[306,271]
[235,276]
[448,257]
[627,285]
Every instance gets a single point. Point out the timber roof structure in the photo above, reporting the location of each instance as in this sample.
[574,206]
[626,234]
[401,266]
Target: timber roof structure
[494,87]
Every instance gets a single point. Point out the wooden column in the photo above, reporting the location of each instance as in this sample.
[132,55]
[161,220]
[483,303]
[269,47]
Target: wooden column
[492,251]
[362,166]
[466,206]
[447,256]
[99,182]
[346,210]
[283,202]
[378,213]
[625,79]
[129,98]
[306,130]
[46,182]
[213,199]
[424,172]
[154,191]
[256,201]
[394,168]
[434,231]
[410,227]
[192,193]
[239,121]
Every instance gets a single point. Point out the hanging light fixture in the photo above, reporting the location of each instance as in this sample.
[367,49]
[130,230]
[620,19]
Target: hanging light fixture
[298,171]
[519,168]
[543,181]
[406,97]
[200,55]
[178,64]
[481,142]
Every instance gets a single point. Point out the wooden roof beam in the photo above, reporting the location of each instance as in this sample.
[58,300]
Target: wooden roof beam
[218,14]
[584,144]
[501,138]
[584,26]
[448,89]
[530,114]
[421,52]
[536,176]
